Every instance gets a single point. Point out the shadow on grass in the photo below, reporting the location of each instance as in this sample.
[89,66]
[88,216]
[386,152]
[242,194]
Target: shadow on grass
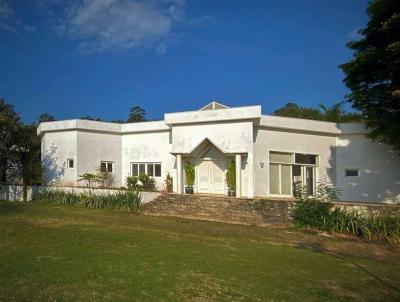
[7,207]
[320,249]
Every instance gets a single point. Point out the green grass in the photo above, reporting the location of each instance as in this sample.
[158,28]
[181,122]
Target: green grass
[63,253]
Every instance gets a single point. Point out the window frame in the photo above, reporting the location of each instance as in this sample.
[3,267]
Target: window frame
[68,163]
[107,165]
[291,164]
[351,169]
[146,169]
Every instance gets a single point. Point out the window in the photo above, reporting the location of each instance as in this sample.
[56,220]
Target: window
[279,157]
[107,166]
[150,169]
[288,171]
[157,170]
[306,159]
[70,163]
[351,172]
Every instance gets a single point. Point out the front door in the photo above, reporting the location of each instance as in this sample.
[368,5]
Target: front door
[211,177]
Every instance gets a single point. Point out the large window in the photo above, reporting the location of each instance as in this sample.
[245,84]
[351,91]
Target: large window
[150,169]
[288,171]
[107,166]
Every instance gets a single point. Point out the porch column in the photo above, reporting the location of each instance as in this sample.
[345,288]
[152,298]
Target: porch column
[238,165]
[179,174]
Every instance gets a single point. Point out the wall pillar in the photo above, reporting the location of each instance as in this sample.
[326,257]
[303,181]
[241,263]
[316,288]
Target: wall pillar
[179,187]
[238,166]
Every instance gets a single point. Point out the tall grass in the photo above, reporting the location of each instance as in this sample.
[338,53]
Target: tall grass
[318,211]
[129,201]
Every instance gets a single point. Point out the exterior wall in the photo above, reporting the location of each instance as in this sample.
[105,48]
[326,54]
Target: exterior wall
[57,147]
[378,165]
[148,147]
[96,147]
[233,131]
[299,142]
[232,137]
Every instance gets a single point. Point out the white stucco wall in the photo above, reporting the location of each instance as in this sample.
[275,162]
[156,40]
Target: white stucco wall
[57,147]
[378,165]
[96,147]
[232,137]
[237,130]
[148,147]
[297,142]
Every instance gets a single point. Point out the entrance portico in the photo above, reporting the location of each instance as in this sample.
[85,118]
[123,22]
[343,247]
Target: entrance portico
[211,163]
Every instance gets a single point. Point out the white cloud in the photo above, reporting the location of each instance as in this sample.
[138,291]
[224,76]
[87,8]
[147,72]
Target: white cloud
[6,12]
[101,25]
[5,9]
[202,21]
[161,49]
[8,28]
[29,28]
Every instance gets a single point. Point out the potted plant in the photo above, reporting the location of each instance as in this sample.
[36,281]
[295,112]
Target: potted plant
[189,177]
[230,179]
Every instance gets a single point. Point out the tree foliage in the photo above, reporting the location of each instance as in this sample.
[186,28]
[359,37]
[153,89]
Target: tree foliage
[335,113]
[10,124]
[137,114]
[90,118]
[373,75]
[45,117]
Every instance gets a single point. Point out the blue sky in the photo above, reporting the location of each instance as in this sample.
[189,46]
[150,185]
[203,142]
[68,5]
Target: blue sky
[101,57]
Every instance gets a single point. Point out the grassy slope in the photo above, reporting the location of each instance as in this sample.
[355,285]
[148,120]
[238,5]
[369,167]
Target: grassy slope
[60,253]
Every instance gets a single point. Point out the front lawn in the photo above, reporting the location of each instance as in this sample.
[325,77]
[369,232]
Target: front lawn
[79,254]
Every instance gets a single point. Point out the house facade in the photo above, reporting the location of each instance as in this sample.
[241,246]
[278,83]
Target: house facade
[271,154]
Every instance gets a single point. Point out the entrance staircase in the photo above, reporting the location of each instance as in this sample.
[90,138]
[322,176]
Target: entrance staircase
[221,209]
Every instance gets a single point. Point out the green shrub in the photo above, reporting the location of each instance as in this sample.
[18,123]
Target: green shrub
[230,176]
[169,183]
[132,182]
[148,183]
[141,183]
[189,174]
[319,212]
[129,201]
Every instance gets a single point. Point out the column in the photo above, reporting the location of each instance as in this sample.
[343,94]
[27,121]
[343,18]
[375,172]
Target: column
[179,188]
[238,165]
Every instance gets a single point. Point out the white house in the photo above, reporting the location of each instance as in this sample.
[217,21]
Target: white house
[271,153]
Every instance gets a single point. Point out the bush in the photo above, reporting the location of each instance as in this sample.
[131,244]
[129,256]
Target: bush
[319,212]
[230,177]
[132,182]
[141,183]
[121,201]
[169,183]
[189,174]
[148,183]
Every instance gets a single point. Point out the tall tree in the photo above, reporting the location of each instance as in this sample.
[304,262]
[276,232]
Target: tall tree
[10,124]
[27,156]
[373,75]
[45,117]
[335,113]
[137,114]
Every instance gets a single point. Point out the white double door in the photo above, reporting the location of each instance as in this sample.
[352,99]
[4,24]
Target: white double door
[211,176]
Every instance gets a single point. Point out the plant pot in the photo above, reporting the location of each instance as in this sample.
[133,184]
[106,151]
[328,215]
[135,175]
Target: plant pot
[231,193]
[189,190]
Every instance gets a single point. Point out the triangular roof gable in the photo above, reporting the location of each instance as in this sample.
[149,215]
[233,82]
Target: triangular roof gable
[214,106]
[201,146]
